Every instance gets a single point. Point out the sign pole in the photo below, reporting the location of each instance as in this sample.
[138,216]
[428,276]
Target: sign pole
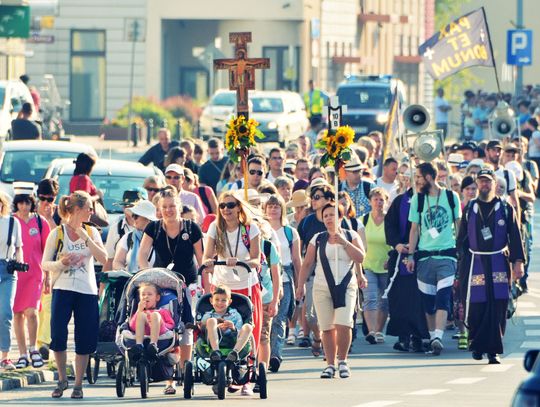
[519,73]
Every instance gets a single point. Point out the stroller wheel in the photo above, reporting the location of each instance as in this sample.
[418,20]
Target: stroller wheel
[261,381]
[221,380]
[188,380]
[121,379]
[92,372]
[111,370]
[143,379]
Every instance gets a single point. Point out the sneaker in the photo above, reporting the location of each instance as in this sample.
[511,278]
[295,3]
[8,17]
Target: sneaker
[370,338]
[215,356]
[379,337]
[494,359]
[463,342]
[246,390]
[477,355]
[304,342]
[152,351]
[23,362]
[274,364]
[256,388]
[401,346]
[7,364]
[36,359]
[436,346]
[135,352]
[291,339]
[232,356]
[44,352]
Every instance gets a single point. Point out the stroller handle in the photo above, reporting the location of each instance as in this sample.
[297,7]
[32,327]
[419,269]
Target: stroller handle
[224,263]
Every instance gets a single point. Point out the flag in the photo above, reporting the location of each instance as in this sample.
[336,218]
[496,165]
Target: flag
[391,130]
[461,44]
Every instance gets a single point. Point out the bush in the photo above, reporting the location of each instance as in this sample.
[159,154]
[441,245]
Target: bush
[182,107]
[144,109]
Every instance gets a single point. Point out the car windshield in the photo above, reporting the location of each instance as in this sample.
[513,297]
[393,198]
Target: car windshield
[29,166]
[224,99]
[113,187]
[365,97]
[267,105]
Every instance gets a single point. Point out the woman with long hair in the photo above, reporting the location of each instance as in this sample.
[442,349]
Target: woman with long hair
[35,231]
[80,181]
[334,290]
[69,257]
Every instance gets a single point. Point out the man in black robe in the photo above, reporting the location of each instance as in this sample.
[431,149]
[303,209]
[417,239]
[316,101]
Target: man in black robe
[407,320]
[490,244]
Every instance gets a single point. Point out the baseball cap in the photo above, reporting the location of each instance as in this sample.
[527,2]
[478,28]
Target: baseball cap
[511,148]
[468,145]
[486,173]
[494,144]
[175,168]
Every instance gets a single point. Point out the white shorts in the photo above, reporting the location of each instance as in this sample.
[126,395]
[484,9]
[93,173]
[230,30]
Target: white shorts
[327,315]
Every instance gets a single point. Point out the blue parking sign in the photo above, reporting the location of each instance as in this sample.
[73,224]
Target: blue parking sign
[519,47]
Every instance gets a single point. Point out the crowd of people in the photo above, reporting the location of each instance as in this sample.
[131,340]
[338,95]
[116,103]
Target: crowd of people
[419,247]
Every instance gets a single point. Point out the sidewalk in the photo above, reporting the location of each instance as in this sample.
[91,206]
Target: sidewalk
[117,146]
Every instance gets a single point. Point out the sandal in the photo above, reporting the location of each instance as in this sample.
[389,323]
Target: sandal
[316,348]
[77,392]
[329,372]
[22,363]
[169,390]
[59,390]
[291,339]
[371,339]
[36,359]
[344,371]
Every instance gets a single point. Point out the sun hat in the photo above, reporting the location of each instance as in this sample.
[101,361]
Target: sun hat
[145,209]
[298,198]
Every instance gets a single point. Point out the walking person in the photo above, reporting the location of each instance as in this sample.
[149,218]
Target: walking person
[432,248]
[10,248]
[334,290]
[69,257]
[210,172]
[34,231]
[491,245]
[156,154]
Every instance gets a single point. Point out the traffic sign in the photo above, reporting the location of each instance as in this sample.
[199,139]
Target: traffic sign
[519,47]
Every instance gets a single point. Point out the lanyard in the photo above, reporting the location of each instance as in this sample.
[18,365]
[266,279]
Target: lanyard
[482,216]
[176,240]
[429,207]
[229,243]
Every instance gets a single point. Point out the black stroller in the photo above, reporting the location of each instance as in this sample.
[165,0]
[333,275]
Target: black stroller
[224,373]
[167,364]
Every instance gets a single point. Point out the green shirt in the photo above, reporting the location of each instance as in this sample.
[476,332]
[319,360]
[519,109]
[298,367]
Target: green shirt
[377,249]
[436,214]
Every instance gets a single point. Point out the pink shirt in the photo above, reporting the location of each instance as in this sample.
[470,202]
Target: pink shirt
[167,322]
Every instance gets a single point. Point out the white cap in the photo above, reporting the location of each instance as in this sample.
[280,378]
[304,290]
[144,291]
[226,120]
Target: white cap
[175,168]
[252,195]
[455,159]
[145,209]
[516,168]
[23,188]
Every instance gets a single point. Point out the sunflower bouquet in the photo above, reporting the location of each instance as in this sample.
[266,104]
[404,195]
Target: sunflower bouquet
[336,144]
[240,136]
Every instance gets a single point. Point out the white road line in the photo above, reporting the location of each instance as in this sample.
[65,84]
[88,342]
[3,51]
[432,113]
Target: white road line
[427,392]
[534,295]
[530,344]
[496,368]
[527,313]
[532,332]
[379,403]
[466,380]
[515,356]
[531,321]
[526,304]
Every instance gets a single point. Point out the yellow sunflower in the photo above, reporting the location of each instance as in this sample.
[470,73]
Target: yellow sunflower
[344,136]
[332,149]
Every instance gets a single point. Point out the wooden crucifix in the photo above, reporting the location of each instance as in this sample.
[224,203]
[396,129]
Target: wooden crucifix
[241,70]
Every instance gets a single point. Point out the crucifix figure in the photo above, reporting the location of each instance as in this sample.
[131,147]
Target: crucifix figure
[241,70]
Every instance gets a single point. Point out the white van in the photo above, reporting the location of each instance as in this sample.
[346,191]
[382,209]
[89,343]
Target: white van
[13,94]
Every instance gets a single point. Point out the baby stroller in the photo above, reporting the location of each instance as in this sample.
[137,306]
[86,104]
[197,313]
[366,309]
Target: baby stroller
[224,373]
[106,350]
[167,364]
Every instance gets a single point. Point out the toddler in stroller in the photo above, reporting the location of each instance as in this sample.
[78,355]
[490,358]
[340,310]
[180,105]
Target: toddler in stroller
[224,327]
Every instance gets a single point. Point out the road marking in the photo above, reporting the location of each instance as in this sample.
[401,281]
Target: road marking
[531,321]
[526,313]
[496,368]
[526,304]
[530,344]
[532,332]
[534,295]
[466,380]
[514,356]
[379,403]
[427,392]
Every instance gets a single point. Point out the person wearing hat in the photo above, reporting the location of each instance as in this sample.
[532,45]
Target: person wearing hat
[175,176]
[34,233]
[468,150]
[290,166]
[492,256]
[124,224]
[142,213]
[299,203]
[357,188]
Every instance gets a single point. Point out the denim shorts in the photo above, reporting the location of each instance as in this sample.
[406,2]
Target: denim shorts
[377,283]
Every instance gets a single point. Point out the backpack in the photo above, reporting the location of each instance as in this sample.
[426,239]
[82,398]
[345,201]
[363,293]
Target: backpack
[120,230]
[367,188]
[10,234]
[59,245]
[449,197]
[288,236]
[204,199]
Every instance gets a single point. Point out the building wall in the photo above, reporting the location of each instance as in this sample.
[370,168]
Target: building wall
[12,58]
[96,14]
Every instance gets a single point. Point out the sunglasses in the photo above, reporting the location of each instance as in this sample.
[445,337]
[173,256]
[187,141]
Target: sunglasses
[134,216]
[46,198]
[316,197]
[175,177]
[258,172]
[228,205]
[156,190]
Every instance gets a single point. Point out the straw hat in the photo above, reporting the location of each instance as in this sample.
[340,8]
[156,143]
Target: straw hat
[298,198]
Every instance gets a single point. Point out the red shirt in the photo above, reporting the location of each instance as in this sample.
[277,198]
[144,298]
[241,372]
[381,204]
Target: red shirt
[82,183]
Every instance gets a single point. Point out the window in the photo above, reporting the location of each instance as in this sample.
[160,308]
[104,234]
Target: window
[88,75]
[365,97]
[284,68]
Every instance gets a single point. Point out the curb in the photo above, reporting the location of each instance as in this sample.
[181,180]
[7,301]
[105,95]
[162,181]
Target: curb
[31,378]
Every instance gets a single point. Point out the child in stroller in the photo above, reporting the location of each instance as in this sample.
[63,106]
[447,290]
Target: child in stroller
[224,327]
[149,321]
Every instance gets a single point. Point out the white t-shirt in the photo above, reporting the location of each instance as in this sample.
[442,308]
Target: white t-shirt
[113,237]
[80,278]
[511,183]
[226,275]
[440,116]
[391,188]
[344,262]
[123,244]
[16,237]
[286,258]
[534,150]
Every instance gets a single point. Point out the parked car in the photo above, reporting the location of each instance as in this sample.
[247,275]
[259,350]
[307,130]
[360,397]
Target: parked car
[113,177]
[281,114]
[368,100]
[13,94]
[28,160]
[528,392]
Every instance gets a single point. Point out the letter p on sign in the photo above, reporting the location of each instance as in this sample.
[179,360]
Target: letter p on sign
[519,47]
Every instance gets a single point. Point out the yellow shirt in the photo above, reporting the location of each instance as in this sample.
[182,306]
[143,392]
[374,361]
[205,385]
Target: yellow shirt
[377,249]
